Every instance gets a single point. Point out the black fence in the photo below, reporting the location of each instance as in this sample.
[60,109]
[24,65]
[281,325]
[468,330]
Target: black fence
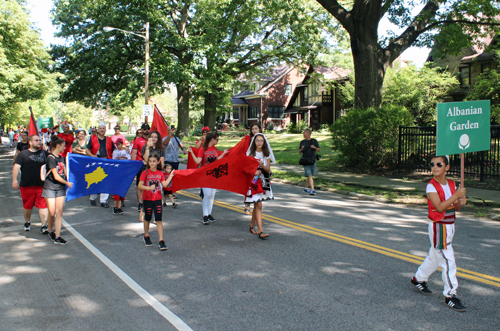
[418,144]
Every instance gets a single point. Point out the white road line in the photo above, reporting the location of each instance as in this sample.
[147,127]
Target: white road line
[151,300]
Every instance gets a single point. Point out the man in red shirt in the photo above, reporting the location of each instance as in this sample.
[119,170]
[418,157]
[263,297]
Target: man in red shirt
[137,155]
[68,137]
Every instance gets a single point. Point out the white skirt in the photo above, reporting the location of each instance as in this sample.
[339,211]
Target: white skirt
[267,195]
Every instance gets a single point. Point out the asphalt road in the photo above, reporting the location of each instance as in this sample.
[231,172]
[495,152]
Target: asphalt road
[331,263]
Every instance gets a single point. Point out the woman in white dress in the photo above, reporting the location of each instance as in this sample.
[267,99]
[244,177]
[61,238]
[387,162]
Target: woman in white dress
[260,188]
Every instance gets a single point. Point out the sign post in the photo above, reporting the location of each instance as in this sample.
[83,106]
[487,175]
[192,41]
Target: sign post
[463,127]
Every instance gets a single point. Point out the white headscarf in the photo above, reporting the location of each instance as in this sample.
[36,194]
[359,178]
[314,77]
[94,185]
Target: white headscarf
[271,155]
[102,124]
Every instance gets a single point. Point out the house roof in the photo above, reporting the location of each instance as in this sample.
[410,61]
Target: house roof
[479,50]
[238,101]
[333,73]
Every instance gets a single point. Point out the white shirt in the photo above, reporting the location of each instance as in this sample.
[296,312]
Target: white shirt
[446,188]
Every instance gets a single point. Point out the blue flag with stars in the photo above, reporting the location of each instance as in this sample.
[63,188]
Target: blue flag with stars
[93,175]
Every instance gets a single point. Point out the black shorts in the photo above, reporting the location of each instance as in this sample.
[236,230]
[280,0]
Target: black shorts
[175,165]
[138,176]
[167,193]
[151,207]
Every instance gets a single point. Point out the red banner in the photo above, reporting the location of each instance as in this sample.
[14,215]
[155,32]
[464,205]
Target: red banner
[33,129]
[231,173]
[159,124]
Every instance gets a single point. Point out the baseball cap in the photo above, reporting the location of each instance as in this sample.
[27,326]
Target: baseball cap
[119,141]
[145,126]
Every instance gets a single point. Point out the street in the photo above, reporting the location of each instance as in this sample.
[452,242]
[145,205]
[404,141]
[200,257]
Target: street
[331,263]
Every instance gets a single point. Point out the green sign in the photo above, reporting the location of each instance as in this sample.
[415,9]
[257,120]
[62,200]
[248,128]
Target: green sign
[463,127]
[46,123]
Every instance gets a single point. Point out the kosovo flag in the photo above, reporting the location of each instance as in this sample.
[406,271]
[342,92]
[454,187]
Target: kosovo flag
[93,175]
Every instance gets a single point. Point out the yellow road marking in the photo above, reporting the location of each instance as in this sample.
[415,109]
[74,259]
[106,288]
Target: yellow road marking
[464,273]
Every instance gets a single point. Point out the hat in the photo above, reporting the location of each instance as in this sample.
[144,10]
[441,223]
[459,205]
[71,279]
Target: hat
[205,128]
[119,141]
[145,126]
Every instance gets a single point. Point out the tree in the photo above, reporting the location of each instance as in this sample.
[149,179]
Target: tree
[372,55]
[487,87]
[24,62]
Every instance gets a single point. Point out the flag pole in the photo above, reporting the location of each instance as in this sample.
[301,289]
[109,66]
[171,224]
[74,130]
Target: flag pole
[462,170]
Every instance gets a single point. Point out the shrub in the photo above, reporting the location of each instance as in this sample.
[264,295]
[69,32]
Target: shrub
[298,127]
[367,139]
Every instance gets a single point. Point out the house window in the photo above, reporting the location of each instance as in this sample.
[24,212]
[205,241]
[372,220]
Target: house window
[485,67]
[464,76]
[288,89]
[275,111]
[236,113]
[252,87]
[297,100]
[306,95]
[253,112]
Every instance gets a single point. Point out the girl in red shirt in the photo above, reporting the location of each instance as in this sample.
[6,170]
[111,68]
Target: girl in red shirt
[207,155]
[151,182]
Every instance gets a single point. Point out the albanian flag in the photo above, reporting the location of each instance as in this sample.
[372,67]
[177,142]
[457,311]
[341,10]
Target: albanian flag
[231,173]
[190,163]
[241,147]
[159,124]
[33,128]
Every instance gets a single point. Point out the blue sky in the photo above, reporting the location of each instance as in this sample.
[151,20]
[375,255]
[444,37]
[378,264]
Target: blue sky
[40,16]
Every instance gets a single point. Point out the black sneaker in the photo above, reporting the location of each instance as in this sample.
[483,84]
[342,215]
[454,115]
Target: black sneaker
[120,211]
[123,203]
[147,241]
[175,205]
[455,304]
[115,211]
[27,226]
[205,220]
[44,229]
[139,207]
[52,236]
[93,203]
[60,241]
[164,204]
[104,205]
[162,245]
[211,218]
[422,286]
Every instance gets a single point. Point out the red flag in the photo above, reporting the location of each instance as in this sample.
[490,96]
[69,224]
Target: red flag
[33,129]
[159,124]
[241,147]
[190,162]
[231,173]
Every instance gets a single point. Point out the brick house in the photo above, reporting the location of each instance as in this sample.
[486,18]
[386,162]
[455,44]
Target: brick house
[288,95]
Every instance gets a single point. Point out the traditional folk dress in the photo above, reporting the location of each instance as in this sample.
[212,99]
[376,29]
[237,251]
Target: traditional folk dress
[261,190]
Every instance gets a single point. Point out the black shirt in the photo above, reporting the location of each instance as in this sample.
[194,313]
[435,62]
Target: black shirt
[30,163]
[22,146]
[58,163]
[102,147]
[308,151]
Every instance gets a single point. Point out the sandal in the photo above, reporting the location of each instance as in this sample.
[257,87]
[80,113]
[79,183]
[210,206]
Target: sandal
[252,231]
[247,210]
[263,237]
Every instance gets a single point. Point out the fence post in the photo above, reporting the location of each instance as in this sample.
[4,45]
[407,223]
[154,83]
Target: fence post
[399,151]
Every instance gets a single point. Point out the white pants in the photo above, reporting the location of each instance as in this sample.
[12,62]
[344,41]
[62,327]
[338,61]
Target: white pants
[208,200]
[444,258]
[103,198]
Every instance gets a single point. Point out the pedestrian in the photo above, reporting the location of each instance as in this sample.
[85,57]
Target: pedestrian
[172,145]
[80,144]
[138,133]
[204,131]
[54,188]
[308,148]
[29,163]
[254,129]
[120,153]
[11,138]
[16,138]
[117,135]
[68,137]
[207,155]
[102,147]
[136,154]
[443,200]
[151,182]
[260,188]
[22,145]
[167,190]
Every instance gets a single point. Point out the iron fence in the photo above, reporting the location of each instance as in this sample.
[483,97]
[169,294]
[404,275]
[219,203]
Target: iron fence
[418,144]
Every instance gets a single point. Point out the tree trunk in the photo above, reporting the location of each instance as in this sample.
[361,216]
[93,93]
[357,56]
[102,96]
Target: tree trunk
[210,111]
[183,94]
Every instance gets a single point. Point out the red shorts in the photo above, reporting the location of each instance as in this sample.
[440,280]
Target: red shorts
[32,197]
[118,198]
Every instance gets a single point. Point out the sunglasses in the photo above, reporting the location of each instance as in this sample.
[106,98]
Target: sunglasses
[439,164]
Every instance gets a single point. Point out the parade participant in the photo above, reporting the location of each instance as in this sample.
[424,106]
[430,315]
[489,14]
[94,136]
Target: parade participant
[54,188]
[153,145]
[207,155]
[22,145]
[68,137]
[167,190]
[308,148]
[29,162]
[260,188]
[11,138]
[117,135]
[138,133]
[16,138]
[172,145]
[102,147]
[150,182]
[443,201]
[136,154]
[80,144]
[254,129]
[120,153]
[204,131]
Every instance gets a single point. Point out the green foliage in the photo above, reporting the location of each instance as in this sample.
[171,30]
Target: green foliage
[487,87]
[24,62]
[367,139]
[298,127]
[418,91]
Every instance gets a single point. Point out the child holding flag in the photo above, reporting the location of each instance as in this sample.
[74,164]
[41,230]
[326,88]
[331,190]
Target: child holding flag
[167,190]
[120,153]
[151,182]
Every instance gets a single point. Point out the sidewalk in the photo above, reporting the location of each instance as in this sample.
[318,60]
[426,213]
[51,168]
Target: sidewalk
[394,184]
